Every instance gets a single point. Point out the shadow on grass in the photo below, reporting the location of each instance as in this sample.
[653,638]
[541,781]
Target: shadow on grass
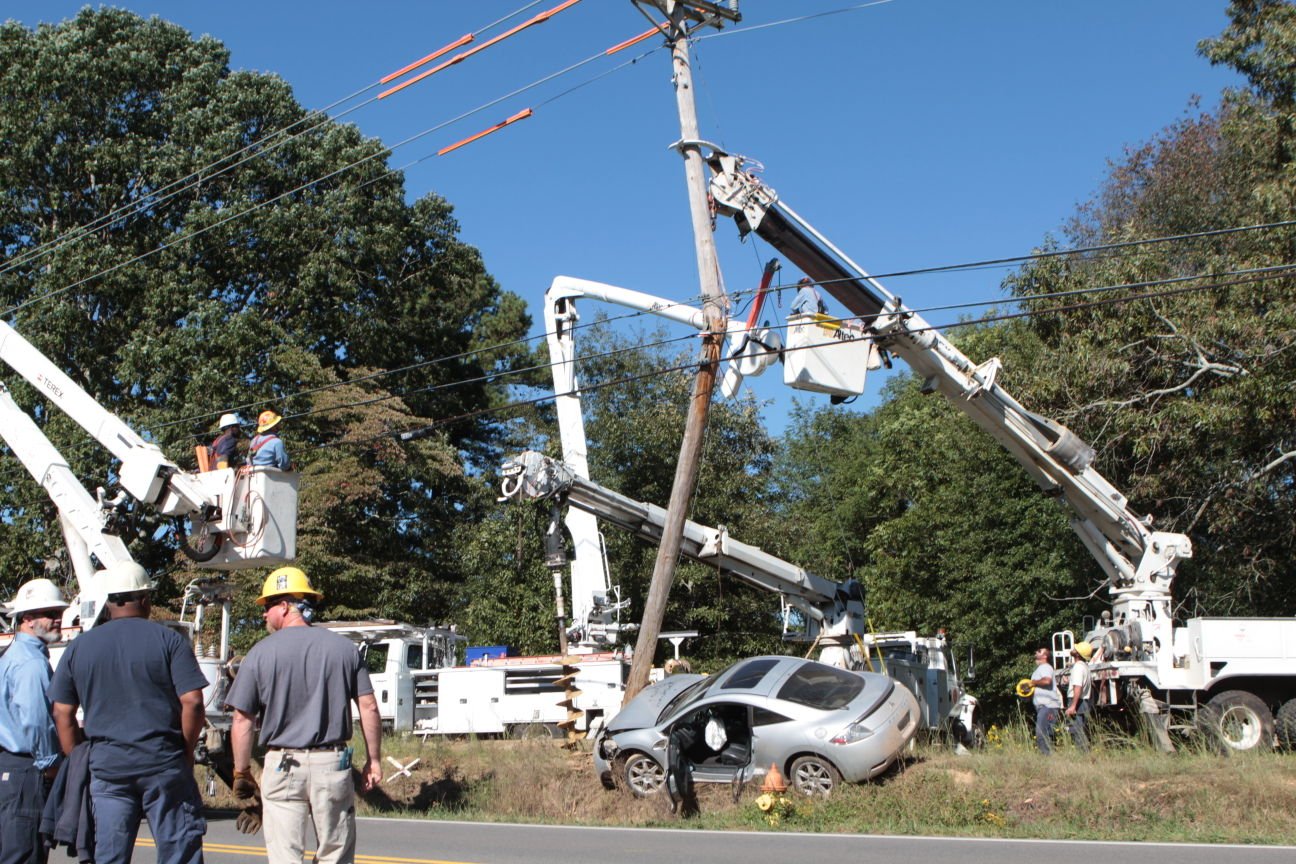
[447,792]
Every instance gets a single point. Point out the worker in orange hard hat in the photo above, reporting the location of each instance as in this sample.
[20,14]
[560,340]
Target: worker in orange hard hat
[267,448]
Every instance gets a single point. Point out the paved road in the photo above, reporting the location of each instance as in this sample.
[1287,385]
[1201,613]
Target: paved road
[402,841]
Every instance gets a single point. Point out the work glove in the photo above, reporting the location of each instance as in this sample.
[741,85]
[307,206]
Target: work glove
[249,819]
[245,785]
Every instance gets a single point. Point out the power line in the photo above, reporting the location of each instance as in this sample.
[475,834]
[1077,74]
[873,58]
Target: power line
[603,321]
[208,172]
[1250,276]
[1260,275]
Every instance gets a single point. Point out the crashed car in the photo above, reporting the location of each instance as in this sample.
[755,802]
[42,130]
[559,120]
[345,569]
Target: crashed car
[819,724]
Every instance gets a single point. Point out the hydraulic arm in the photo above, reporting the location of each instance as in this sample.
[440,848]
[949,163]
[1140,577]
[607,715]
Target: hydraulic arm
[1140,563]
[832,612]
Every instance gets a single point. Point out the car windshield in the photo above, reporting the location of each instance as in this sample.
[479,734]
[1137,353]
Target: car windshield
[690,694]
[826,688]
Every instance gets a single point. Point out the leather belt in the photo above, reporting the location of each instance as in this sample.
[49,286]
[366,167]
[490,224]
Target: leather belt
[313,748]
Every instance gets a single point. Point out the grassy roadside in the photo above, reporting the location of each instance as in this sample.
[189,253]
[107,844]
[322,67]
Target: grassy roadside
[1117,792]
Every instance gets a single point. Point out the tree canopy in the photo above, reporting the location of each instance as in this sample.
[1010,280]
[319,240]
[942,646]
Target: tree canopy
[183,240]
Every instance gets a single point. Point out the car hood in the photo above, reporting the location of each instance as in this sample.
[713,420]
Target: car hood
[644,708]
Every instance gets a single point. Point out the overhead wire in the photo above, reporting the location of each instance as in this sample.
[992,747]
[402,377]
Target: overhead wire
[208,172]
[1248,276]
[380,154]
[1254,276]
[944,268]
[604,320]
[313,182]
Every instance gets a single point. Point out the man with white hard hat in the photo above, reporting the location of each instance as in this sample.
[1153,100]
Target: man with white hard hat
[225,448]
[29,748]
[140,687]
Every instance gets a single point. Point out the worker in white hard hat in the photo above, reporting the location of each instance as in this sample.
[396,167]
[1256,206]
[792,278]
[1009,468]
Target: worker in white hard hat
[224,450]
[141,690]
[300,683]
[29,748]
[1080,685]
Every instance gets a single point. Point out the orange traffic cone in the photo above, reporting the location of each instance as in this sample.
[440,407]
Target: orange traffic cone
[774,781]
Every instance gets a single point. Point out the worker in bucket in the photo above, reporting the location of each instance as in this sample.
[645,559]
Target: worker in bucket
[225,448]
[807,300]
[267,448]
[141,690]
[1080,685]
[300,682]
[29,748]
[1047,701]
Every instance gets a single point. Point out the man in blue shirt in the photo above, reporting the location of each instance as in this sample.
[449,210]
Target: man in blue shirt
[141,689]
[267,449]
[29,749]
[225,448]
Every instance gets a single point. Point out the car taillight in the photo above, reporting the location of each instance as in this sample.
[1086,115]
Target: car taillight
[856,731]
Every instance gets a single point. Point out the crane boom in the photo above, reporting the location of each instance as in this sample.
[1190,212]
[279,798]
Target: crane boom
[1140,563]
[833,611]
[243,518]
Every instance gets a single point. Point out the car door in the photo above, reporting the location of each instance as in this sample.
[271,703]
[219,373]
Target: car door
[716,740]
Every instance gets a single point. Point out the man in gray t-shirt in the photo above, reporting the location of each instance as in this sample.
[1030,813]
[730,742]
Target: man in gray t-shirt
[1047,701]
[300,682]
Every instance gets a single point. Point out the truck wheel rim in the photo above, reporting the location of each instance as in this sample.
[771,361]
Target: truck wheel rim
[1240,728]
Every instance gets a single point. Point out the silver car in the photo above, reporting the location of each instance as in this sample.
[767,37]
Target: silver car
[819,724]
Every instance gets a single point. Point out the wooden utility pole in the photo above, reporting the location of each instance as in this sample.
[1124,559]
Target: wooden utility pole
[679,14]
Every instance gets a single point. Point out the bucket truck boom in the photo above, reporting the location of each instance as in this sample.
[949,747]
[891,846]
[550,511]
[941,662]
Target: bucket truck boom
[1238,670]
[237,518]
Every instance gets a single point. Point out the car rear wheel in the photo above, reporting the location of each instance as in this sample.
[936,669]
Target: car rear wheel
[643,775]
[814,776]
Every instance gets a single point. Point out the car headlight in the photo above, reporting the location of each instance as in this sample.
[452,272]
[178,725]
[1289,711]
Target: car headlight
[856,731]
[607,748]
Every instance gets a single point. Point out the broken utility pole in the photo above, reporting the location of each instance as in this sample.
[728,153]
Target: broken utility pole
[679,14]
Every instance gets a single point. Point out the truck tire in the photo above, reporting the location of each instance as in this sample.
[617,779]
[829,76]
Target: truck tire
[1287,724]
[1243,720]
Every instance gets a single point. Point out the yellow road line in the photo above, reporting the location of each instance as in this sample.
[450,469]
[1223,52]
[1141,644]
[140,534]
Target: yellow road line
[232,849]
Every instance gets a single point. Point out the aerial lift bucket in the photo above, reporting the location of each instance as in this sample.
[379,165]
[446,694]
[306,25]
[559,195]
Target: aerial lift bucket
[822,356]
[257,526]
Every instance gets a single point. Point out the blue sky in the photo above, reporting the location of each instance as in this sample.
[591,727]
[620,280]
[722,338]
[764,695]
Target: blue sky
[912,133]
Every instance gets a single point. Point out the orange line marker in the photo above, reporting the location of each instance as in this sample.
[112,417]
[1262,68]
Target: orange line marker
[634,40]
[458,43]
[459,58]
[521,115]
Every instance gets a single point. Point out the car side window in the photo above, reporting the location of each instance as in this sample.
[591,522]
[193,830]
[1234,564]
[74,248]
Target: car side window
[765,717]
[825,688]
[748,676]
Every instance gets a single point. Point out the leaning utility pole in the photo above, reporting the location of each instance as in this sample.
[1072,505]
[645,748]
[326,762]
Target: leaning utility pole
[679,14]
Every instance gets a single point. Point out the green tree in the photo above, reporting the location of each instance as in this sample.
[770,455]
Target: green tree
[287,271]
[1187,392]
